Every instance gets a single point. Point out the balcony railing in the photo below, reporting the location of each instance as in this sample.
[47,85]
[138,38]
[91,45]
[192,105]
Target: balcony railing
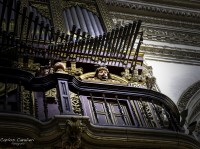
[104,104]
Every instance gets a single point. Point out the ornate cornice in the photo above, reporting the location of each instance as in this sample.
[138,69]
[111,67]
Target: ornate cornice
[124,17]
[167,31]
[157,8]
[186,96]
[171,54]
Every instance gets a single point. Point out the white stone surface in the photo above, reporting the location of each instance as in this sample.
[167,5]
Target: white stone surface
[173,78]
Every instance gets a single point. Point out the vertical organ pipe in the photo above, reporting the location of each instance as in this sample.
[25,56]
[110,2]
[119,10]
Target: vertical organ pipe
[98,25]
[69,19]
[75,18]
[66,21]
[88,22]
[81,19]
[91,16]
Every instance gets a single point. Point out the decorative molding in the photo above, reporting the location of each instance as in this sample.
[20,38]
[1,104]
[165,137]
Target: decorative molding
[194,113]
[89,6]
[57,14]
[126,18]
[105,15]
[156,30]
[156,8]
[186,96]
[42,8]
[171,54]
[72,136]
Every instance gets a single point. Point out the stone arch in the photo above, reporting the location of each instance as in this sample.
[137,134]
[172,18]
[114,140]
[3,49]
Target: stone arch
[187,95]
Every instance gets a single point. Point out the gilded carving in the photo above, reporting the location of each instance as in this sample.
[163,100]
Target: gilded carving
[144,80]
[75,103]
[102,75]
[26,98]
[72,136]
[73,70]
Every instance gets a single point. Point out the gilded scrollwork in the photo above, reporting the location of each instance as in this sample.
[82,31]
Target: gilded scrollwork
[75,103]
[26,98]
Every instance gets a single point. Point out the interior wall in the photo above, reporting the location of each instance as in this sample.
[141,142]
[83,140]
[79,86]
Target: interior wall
[173,78]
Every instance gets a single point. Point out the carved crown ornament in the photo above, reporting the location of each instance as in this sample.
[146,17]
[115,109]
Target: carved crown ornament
[155,8]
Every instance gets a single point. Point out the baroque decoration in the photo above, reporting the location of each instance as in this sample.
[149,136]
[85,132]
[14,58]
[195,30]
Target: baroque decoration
[102,75]
[72,137]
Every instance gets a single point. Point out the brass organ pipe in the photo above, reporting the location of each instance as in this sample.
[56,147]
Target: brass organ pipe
[81,19]
[91,16]
[88,23]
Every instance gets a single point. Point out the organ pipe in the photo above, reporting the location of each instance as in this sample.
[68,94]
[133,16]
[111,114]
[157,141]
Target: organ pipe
[98,25]
[81,19]
[88,22]
[75,18]
[69,19]
[93,23]
[66,22]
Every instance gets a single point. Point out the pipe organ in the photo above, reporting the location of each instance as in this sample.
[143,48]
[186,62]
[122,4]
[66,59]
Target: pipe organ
[56,106]
[84,42]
